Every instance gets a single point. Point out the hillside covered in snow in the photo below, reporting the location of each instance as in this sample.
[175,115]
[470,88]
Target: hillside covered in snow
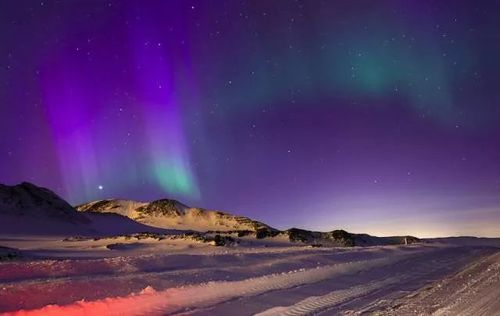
[172,214]
[119,257]
[26,209]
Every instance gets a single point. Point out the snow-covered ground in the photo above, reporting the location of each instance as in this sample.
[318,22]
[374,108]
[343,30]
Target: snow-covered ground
[147,276]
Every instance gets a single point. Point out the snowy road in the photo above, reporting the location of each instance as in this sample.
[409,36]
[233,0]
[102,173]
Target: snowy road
[394,280]
[360,292]
[473,291]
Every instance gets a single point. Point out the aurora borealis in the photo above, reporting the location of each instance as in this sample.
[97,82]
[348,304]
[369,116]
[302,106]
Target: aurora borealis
[373,116]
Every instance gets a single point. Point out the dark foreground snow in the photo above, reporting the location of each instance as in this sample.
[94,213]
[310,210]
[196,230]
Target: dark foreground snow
[158,277]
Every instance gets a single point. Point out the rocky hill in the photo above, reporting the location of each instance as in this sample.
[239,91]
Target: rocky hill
[341,238]
[172,214]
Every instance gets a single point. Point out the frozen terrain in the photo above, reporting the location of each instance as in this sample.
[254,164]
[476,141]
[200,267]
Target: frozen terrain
[118,257]
[134,276]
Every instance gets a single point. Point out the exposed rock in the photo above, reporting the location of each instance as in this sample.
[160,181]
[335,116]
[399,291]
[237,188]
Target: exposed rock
[341,238]
[223,240]
[164,207]
[171,214]
[7,253]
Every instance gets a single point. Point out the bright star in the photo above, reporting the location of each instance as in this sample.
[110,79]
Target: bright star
[100,187]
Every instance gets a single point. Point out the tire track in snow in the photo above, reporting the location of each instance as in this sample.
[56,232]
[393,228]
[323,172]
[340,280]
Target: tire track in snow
[142,273]
[316,304]
[472,291]
[479,292]
[172,300]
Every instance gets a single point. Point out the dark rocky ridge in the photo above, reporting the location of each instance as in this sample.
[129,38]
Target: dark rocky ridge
[340,237]
[345,239]
[163,207]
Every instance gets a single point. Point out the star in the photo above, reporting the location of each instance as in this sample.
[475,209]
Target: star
[100,187]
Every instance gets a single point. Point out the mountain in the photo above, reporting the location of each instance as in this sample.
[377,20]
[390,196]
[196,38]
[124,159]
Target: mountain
[29,200]
[172,214]
[26,209]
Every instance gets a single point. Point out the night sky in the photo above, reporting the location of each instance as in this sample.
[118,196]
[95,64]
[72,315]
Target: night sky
[372,116]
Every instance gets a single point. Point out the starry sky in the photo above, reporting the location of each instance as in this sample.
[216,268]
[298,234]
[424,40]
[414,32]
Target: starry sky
[372,116]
